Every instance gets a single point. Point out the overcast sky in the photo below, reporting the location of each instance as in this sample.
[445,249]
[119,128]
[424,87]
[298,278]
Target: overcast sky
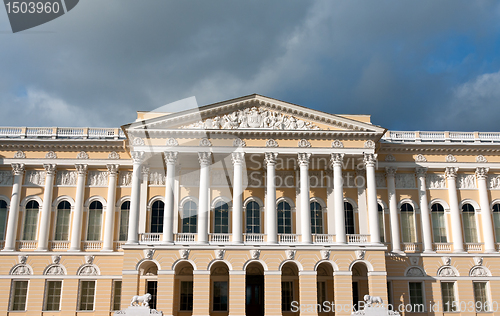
[412,65]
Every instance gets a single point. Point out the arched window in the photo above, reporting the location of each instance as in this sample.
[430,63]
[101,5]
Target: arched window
[124,215]
[381,222]
[496,221]
[157,210]
[316,218]
[284,218]
[31,220]
[349,218]
[95,220]
[468,217]
[408,223]
[253,217]
[189,217]
[62,221]
[3,218]
[221,221]
[438,224]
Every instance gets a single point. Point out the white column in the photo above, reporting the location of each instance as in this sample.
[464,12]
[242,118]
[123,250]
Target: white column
[371,196]
[488,234]
[305,215]
[43,236]
[76,228]
[338,193]
[390,173]
[168,217]
[238,159]
[11,232]
[456,223]
[424,210]
[205,159]
[109,223]
[135,197]
[271,214]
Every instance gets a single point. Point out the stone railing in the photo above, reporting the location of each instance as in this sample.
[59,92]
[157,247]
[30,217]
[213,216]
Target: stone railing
[323,238]
[92,245]
[411,246]
[473,246]
[253,238]
[61,132]
[357,238]
[442,246]
[441,137]
[288,238]
[119,245]
[219,238]
[27,244]
[59,244]
[185,237]
[150,237]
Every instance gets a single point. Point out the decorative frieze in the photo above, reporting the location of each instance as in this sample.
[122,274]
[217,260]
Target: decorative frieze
[369,144]
[172,142]
[35,177]
[466,181]
[6,178]
[405,181]
[304,143]
[125,178]
[205,142]
[113,155]
[494,182]
[98,179]
[190,178]
[420,158]
[19,155]
[450,158]
[271,143]
[238,142]
[380,180]
[82,155]
[435,181]
[337,144]
[50,155]
[157,178]
[66,178]
[390,158]
[481,159]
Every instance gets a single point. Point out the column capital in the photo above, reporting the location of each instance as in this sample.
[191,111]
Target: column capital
[205,158]
[237,157]
[482,173]
[138,156]
[270,158]
[336,159]
[304,158]
[50,169]
[421,171]
[81,169]
[18,169]
[370,159]
[451,172]
[112,169]
[390,171]
[170,157]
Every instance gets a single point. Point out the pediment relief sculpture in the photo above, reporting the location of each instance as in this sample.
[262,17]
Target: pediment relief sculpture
[253,118]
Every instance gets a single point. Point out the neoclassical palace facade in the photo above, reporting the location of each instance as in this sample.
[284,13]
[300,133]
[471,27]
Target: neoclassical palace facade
[251,206]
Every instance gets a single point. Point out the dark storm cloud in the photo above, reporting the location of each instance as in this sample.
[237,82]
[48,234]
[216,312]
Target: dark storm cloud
[406,63]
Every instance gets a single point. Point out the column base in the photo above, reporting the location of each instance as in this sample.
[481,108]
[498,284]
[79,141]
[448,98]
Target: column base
[399,252]
[168,243]
[74,249]
[429,251]
[8,249]
[459,251]
[107,250]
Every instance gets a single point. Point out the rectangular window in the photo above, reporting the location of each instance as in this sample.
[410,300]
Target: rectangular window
[117,295]
[286,296]
[30,224]
[381,216]
[87,293]
[470,231]
[416,297]
[220,296]
[186,295]
[408,227]
[94,226]
[321,292]
[123,225]
[481,297]
[3,219]
[19,293]
[62,224]
[438,227]
[448,294]
[52,295]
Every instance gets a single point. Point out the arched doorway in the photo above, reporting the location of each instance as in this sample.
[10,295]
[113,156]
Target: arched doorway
[359,283]
[254,290]
[148,272]
[325,286]
[289,287]
[183,288]
[219,285]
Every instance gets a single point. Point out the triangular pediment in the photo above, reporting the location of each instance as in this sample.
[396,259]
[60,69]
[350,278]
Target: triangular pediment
[254,112]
